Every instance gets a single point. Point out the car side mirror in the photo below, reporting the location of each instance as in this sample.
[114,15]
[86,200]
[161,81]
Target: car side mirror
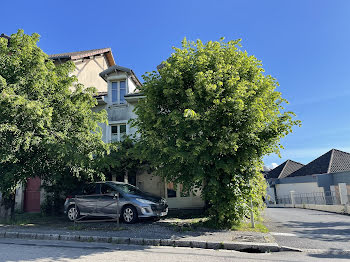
[116,196]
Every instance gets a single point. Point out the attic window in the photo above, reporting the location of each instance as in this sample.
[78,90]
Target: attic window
[118,92]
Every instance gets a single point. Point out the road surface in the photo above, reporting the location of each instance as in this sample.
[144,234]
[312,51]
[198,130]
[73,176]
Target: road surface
[40,250]
[309,229]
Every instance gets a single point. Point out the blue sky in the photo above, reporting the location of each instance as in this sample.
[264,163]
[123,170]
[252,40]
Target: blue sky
[304,44]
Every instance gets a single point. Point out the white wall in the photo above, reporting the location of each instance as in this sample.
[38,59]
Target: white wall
[284,189]
[270,193]
[340,209]
[131,86]
[119,114]
[19,198]
[102,125]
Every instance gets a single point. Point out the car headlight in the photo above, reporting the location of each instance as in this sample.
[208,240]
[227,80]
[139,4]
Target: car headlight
[144,201]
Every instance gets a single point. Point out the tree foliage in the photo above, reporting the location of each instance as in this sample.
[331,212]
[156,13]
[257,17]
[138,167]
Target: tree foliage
[47,127]
[123,159]
[209,116]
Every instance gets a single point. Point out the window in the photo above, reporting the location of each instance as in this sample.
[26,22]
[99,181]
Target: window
[89,189]
[118,92]
[106,189]
[122,92]
[128,189]
[118,132]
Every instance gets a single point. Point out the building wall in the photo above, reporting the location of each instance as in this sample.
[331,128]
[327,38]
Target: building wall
[104,126]
[119,113]
[156,185]
[19,198]
[189,202]
[270,193]
[151,184]
[284,189]
[87,72]
[131,86]
[341,177]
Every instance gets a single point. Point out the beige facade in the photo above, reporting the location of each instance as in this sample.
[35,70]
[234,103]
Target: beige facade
[177,200]
[87,70]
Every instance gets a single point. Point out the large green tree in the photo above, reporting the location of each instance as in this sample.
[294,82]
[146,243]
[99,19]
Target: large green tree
[209,116]
[47,127]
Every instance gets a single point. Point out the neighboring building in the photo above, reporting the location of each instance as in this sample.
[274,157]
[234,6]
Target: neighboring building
[331,162]
[279,172]
[324,174]
[283,170]
[117,94]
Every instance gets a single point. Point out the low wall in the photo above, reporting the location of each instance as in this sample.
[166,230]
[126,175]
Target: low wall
[340,209]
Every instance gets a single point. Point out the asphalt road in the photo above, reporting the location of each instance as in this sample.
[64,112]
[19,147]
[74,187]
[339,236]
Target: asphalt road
[17,250]
[309,229]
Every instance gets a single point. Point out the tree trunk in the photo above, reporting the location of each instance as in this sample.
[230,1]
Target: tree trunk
[7,207]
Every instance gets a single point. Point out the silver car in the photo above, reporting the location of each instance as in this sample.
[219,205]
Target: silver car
[109,199]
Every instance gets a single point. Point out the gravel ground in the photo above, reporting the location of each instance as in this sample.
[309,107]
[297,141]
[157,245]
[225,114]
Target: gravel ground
[174,229]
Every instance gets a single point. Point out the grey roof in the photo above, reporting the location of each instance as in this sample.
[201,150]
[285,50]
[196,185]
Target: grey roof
[134,94]
[87,53]
[114,68]
[284,169]
[331,162]
[100,94]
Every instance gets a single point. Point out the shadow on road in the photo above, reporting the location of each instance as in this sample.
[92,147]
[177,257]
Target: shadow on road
[332,254]
[326,231]
[31,250]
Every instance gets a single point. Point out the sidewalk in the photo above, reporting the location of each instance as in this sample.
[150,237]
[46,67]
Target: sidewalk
[164,232]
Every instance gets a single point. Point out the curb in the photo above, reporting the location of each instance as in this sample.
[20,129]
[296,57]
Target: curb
[250,247]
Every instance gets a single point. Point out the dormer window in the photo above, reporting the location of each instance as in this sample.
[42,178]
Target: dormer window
[118,92]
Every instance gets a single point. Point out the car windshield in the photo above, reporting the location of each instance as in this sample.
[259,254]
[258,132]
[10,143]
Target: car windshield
[128,189]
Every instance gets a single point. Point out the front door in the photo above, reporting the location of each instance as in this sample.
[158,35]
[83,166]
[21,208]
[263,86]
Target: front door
[32,195]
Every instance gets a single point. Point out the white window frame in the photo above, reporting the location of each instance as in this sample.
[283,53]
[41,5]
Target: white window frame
[118,131]
[118,91]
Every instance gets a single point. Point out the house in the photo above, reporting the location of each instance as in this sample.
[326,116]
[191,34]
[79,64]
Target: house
[322,175]
[279,172]
[119,102]
[117,94]
[88,64]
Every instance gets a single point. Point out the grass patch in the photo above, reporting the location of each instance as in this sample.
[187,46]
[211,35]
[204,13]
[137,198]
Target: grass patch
[246,226]
[190,224]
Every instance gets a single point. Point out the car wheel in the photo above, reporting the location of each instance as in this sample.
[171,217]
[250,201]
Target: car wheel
[129,214]
[73,213]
